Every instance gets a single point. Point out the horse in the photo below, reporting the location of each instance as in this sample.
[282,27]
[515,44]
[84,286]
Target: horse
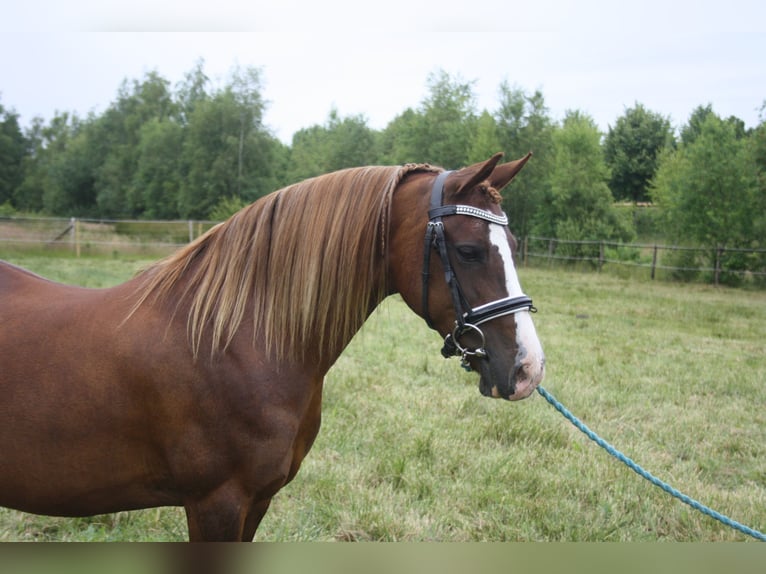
[198,382]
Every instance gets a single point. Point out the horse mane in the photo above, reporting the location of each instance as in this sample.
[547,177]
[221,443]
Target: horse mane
[308,257]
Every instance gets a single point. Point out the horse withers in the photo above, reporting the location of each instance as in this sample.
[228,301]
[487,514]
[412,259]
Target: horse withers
[198,383]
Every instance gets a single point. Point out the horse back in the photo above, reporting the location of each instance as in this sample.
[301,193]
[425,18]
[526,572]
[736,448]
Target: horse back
[13,277]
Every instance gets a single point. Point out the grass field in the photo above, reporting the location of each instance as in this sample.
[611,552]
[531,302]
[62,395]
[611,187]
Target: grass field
[673,375]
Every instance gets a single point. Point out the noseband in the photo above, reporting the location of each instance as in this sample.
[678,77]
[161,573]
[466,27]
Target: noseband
[467,319]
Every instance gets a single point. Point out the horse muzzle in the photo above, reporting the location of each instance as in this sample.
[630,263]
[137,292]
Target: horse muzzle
[521,382]
[513,377]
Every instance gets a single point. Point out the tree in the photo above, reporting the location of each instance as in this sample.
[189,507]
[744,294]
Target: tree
[756,148]
[157,178]
[13,149]
[449,117]
[580,205]
[45,144]
[118,132]
[441,130]
[712,195]
[709,188]
[399,140]
[485,142]
[350,142]
[631,150]
[306,153]
[339,143]
[693,127]
[245,88]
[227,152]
[69,186]
[523,126]
[28,195]
[192,90]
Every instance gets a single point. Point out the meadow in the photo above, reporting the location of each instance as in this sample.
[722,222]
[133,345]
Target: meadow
[672,374]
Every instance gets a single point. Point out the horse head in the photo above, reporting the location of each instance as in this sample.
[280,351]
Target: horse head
[462,279]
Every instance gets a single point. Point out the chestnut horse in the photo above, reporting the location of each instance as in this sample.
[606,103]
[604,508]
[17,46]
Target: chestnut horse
[198,383]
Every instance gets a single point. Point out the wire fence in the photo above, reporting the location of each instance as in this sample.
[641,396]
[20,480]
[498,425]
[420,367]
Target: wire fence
[717,264]
[155,238]
[98,236]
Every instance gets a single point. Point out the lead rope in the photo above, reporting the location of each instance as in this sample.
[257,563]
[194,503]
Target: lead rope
[645,474]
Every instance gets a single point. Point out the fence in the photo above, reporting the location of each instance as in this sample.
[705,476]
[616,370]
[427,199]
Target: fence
[98,236]
[716,264]
[152,238]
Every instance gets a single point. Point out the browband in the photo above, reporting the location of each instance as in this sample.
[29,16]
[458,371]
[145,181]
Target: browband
[468,210]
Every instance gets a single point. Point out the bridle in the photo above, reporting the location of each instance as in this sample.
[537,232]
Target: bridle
[467,319]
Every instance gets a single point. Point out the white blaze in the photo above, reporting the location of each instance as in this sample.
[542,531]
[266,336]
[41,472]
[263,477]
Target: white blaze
[529,348]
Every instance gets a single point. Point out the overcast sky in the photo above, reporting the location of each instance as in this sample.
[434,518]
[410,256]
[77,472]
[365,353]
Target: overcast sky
[598,56]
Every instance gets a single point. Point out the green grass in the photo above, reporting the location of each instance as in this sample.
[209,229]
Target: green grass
[94,271]
[673,375]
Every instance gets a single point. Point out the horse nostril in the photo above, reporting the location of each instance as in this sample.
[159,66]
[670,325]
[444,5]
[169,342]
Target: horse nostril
[518,372]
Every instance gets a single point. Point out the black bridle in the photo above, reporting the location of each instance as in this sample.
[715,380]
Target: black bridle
[467,319]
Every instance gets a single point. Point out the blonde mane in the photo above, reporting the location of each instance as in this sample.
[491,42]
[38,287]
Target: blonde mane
[308,260]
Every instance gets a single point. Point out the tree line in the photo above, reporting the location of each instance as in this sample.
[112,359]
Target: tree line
[197,150]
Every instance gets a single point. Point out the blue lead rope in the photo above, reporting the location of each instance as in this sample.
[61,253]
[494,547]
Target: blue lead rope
[648,476]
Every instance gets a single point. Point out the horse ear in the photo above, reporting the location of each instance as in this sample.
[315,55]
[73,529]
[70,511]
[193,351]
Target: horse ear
[469,177]
[503,174]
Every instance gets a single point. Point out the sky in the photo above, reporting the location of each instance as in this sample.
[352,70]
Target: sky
[374,59]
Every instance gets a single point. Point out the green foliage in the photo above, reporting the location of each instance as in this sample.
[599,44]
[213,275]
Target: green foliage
[709,188]
[399,140]
[448,121]
[158,176]
[580,205]
[192,151]
[69,182]
[340,143]
[226,207]
[12,152]
[118,133]
[6,209]
[154,153]
[756,151]
[712,192]
[523,126]
[45,145]
[631,150]
[440,132]
[226,150]
[693,128]
[486,141]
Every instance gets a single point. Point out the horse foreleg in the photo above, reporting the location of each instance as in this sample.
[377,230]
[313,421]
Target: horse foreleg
[220,516]
[254,517]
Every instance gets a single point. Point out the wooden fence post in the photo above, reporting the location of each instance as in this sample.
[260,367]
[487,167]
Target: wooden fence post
[718,252]
[654,261]
[191,231]
[524,248]
[600,255]
[74,223]
[550,252]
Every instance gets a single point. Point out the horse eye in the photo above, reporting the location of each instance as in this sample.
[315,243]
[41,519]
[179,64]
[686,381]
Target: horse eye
[469,253]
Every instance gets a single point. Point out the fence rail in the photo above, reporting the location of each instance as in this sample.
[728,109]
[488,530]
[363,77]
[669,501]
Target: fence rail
[97,236]
[682,262]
